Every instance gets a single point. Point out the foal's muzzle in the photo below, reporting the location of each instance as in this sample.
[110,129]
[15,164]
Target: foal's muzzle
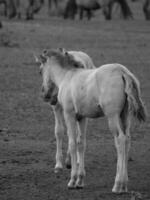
[48,97]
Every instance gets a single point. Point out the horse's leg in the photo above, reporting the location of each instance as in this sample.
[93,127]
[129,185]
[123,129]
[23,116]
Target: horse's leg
[29,10]
[56,3]
[70,10]
[122,143]
[81,145]
[72,136]
[81,10]
[107,11]
[1,24]
[146,9]
[59,132]
[12,9]
[89,14]
[49,6]
[5,8]
[18,7]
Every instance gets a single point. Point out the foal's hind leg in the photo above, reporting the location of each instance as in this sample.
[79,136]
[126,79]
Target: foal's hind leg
[59,132]
[122,143]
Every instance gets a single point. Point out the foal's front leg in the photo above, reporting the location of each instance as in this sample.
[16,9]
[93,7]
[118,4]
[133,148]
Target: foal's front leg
[72,136]
[59,133]
[81,147]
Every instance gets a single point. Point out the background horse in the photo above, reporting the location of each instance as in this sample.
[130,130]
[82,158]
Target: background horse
[146,8]
[110,90]
[91,5]
[4,3]
[15,8]
[86,62]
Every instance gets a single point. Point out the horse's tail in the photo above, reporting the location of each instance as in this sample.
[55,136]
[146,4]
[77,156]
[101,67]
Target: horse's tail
[135,104]
[126,11]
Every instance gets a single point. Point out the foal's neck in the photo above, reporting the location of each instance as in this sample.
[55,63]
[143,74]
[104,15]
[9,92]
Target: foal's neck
[58,73]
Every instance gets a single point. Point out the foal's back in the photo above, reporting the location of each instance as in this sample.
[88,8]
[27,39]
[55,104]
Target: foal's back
[91,89]
[83,58]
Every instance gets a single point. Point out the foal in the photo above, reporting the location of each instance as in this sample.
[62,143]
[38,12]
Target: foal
[110,90]
[83,61]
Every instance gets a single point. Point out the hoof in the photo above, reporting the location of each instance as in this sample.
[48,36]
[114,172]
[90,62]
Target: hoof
[120,188]
[68,166]
[72,184]
[79,186]
[58,170]
[68,163]
[80,182]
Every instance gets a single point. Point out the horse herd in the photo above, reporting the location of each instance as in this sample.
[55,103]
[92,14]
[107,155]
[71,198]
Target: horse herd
[71,8]
[77,90]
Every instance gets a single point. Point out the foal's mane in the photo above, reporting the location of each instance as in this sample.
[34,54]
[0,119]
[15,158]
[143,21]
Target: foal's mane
[65,59]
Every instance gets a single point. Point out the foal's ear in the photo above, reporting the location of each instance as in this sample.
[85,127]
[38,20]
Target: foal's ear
[41,59]
[62,50]
[36,58]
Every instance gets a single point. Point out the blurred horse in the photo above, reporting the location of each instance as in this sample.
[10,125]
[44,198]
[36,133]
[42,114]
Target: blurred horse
[90,5]
[5,6]
[110,90]
[85,6]
[86,62]
[125,9]
[13,8]
[70,9]
[146,8]
[9,8]
[34,6]
[50,2]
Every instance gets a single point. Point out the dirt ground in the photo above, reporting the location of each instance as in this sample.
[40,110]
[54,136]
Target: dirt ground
[27,142]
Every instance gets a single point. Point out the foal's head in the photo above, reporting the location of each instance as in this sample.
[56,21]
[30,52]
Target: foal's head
[46,60]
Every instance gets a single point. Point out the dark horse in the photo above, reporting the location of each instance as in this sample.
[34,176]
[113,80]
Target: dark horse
[5,6]
[13,8]
[146,8]
[70,9]
[52,1]
[73,6]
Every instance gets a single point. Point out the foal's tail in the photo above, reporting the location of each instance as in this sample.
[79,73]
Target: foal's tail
[135,104]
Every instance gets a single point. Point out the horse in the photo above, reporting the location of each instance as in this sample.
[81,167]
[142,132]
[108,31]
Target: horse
[146,8]
[50,2]
[70,9]
[91,5]
[74,6]
[110,90]
[108,7]
[5,6]
[88,6]
[14,8]
[87,63]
